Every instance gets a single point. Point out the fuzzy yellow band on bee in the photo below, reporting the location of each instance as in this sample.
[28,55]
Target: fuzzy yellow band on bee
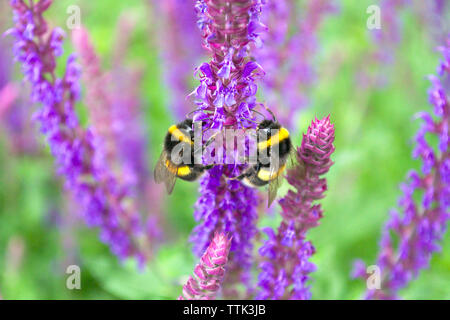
[179,171]
[184,171]
[264,174]
[180,136]
[277,138]
[172,168]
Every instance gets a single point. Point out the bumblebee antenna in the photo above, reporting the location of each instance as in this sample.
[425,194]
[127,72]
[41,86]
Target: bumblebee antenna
[239,177]
[269,111]
[258,113]
[188,114]
[207,129]
[247,119]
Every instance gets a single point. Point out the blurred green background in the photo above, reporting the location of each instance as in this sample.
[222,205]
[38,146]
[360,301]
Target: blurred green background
[374,130]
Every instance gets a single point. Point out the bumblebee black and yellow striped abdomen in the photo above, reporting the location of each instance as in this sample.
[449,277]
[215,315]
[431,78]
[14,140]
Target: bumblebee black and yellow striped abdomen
[272,139]
[181,136]
[259,176]
[179,139]
[276,135]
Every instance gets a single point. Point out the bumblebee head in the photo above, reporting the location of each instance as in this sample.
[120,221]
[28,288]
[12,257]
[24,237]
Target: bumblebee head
[268,124]
[185,124]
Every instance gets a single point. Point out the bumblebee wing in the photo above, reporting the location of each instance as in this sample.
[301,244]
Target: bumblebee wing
[274,184]
[170,182]
[292,158]
[275,181]
[295,162]
[163,174]
[160,168]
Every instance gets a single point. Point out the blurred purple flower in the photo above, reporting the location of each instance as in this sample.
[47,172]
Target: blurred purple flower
[5,66]
[390,32]
[130,131]
[8,95]
[385,43]
[127,110]
[286,267]
[8,91]
[16,121]
[410,237]
[97,98]
[77,151]
[179,39]
[14,116]
[114,108]
[287,56]
[435,16]
[210,272]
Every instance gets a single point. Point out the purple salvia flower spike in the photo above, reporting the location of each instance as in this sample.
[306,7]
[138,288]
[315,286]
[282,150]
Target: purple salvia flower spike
[78,152]
[179,39]
[225,98]
[228,27]
[421,225]
[286,267]
[435,15]
[97,98]
[210,272]
[226,206]
[14,114]
[385,43]
[114,108]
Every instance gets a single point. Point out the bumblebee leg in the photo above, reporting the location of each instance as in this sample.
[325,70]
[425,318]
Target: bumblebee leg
[210,140]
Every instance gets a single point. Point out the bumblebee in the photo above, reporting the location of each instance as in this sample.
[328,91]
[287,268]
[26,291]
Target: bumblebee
[274,148]
[178,155]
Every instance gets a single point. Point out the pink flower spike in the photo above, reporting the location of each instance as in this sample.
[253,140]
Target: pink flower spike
[286,254]
[209,273]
